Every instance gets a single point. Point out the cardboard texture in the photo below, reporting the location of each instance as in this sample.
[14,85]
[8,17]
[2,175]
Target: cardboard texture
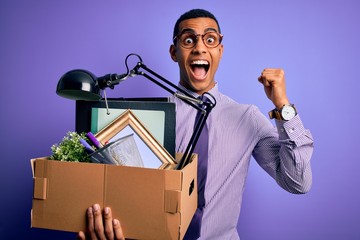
[150,203]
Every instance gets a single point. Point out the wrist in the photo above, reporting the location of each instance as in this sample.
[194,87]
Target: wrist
[282,103]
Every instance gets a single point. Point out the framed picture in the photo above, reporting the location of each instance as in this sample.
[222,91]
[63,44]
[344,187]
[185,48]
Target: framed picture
[156,114]
[152,153]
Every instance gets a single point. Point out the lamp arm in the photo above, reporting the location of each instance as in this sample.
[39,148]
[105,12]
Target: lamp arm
[194,137]
[205,107]
[189,99]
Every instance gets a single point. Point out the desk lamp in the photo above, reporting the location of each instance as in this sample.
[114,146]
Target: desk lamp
[83,85]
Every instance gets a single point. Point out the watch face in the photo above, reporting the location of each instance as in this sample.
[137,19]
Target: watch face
[288,112]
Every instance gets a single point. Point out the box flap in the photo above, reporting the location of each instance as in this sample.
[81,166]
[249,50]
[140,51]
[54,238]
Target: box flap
[40,182]
[172,201]
[40,185]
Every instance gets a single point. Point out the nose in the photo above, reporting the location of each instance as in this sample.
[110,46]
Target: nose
[199,46]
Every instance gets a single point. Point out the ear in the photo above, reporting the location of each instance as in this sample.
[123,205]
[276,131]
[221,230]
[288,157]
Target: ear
[221,50]
[172,52]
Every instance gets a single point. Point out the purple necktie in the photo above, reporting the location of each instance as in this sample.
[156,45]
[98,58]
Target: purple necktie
[201,148]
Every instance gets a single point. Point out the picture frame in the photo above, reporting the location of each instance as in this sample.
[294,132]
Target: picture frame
[88,112]
[127,123]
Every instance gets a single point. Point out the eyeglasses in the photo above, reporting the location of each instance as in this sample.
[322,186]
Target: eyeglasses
[189,39]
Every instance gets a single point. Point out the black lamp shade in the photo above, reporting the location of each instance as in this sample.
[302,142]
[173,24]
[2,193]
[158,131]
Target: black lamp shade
[79,85]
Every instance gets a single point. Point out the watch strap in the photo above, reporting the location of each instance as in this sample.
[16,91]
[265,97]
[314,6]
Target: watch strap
[275,114]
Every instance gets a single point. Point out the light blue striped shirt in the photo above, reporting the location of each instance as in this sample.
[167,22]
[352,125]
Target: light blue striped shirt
[237,132]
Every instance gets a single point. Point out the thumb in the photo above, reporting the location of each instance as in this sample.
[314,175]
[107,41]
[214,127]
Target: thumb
[81,236]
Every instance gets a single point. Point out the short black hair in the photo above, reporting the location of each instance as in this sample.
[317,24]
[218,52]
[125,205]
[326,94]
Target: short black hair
[194,13]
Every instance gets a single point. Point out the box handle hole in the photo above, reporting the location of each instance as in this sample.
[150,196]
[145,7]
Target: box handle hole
[191,188]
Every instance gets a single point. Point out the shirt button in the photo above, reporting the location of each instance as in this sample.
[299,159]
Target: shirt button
[291,130]
[282,130]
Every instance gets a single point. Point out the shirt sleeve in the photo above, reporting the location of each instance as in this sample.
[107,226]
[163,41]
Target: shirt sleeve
[284,152]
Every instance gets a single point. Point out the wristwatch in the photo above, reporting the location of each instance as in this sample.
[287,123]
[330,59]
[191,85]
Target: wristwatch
[287,112]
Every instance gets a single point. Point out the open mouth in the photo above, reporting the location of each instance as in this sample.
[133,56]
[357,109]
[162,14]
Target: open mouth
[200,68]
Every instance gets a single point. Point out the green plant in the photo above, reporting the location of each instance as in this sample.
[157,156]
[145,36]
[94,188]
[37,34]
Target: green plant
[70,149]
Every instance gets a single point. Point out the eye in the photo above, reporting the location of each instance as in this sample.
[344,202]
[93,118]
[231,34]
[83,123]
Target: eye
[211,38]
[188,40]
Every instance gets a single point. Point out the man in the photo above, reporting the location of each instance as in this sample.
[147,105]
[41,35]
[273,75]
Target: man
[235,133]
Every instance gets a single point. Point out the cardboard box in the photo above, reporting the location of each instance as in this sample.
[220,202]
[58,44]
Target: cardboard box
[150,203]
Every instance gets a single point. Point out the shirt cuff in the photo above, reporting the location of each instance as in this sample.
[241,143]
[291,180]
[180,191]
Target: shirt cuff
[291,129]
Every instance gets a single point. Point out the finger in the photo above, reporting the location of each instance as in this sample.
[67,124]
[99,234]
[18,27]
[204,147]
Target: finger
[267,71]
[264,81]
[273,79]
[90,223]
[270,74]
[267,83]
[118,230]
[273,75]
[273,70]
[98,222]
[108,223]
[270,77]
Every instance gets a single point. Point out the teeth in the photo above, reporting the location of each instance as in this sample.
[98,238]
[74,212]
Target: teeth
[200,62]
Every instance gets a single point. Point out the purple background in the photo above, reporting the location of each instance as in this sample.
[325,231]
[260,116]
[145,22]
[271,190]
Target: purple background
[315,41]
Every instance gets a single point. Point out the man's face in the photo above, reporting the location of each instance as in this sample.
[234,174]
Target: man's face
[197,65]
